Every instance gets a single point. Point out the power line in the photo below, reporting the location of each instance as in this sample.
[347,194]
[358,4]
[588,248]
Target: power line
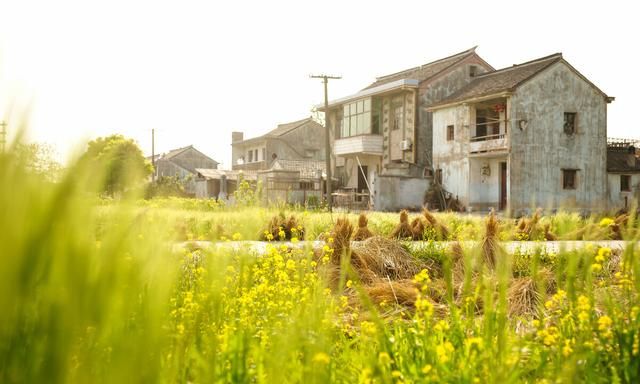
[325,80]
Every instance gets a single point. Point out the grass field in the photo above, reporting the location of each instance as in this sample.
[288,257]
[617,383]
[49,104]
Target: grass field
[91,291]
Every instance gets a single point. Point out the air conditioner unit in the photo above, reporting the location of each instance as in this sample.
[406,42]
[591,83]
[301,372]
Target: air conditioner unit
[405,145]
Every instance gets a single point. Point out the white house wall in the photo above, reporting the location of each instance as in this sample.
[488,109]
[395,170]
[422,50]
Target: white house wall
[452,157]
[617,197]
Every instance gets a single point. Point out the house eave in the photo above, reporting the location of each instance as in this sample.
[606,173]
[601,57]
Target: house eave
[470,100]
[384,88]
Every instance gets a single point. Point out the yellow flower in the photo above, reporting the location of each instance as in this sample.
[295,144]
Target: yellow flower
[606,222]
[384,359]
[236,236]
[567,350]
[426,369]
[443,351]
[604,323]
[596,267]
[321,358]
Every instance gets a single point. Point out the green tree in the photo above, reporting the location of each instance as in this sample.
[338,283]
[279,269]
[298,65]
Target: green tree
[118,162]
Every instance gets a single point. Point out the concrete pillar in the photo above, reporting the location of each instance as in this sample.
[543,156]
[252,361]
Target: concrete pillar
[223,187]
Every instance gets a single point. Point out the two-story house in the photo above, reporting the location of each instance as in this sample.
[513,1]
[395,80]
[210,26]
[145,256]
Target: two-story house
[299,140]
[382,136]
[529,135]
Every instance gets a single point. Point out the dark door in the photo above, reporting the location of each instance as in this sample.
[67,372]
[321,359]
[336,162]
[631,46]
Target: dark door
[503,186]
[362,183]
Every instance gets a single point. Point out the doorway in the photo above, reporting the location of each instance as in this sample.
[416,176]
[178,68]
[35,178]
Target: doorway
[362,181]
[503,186]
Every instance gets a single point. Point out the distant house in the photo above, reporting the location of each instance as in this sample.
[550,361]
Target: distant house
[532,134]
[623,173]
[299,140]
[182,162]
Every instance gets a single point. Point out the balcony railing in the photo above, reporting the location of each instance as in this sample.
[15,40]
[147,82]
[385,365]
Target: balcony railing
[497,142]
[363,144]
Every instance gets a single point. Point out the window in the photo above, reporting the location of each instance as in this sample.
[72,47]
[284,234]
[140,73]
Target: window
[473,70]
[570,123]
[250,156]
[625,183]
[569,178]
[264,153]
[398,116]
[450,133]
[255,154]
[356,118]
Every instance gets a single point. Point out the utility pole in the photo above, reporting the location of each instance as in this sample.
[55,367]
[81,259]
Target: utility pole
[325,80]
[3,135]
[153,154]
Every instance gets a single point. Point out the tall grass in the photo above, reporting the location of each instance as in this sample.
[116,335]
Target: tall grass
[95,294]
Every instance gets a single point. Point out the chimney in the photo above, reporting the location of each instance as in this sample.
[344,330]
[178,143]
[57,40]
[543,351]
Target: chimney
[237,136]
[631,156]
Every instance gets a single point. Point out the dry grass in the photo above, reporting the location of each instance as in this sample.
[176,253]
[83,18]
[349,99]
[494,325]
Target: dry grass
[490,242]
[522,297]
[441,230]
[417,229]
[281,225]
[363,232]
[403,229]
[385,258]
[548,235]
[401,292]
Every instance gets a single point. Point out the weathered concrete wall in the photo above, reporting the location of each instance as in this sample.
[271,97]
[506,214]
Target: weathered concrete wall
[484,190]
[543,149]
[395,192]
[452,157]
[616,197]
[434,91]
[309,137]
[191,159]
[351,169]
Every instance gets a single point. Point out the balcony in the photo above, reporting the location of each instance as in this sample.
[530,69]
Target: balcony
[358,145]
[488,144]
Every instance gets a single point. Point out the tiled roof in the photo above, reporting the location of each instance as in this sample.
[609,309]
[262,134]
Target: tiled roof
[307,168]
[285,128]
[424,71]
[506,79]
[618,161]
[216,174]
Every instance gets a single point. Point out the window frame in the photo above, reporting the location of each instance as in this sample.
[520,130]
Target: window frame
[574,177]
[628,182]
[574,123]
[451,132]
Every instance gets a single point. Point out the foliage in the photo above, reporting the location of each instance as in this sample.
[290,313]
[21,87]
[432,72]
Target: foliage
[39,160]
[166,186]
[118,164]
[247,194]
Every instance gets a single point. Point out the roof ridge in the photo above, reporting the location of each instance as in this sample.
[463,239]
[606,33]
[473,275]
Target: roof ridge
[557,55]
[466,52]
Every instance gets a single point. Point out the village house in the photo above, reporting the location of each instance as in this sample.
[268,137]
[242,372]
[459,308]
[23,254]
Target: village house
[298,140]
[534,134]
[382,136]
[288,164]
[182,163]
[623,173]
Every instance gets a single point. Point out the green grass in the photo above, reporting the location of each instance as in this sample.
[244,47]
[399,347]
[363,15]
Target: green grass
[91,292]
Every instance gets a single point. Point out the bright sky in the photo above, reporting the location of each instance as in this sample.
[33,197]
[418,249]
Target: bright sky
[197,70]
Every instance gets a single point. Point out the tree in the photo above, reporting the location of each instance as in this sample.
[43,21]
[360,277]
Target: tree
[118,162]
[39,160]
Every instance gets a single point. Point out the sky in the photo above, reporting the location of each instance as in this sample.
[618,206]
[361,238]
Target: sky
[195,71]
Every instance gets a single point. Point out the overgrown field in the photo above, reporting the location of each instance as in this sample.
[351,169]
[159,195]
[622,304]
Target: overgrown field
[92,292]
